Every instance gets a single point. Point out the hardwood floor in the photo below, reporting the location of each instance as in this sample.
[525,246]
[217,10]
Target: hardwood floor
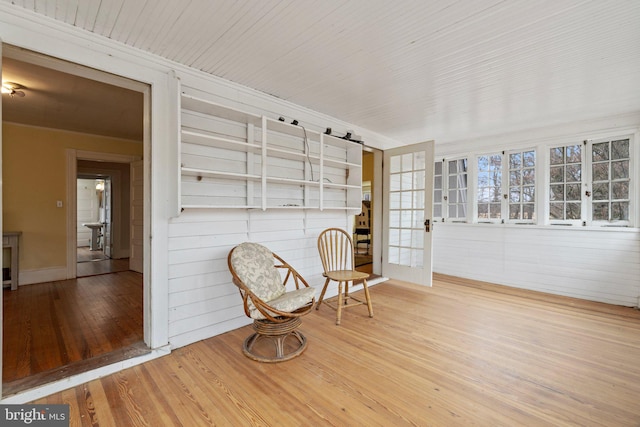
[92,263]
[458,354]
[50,327]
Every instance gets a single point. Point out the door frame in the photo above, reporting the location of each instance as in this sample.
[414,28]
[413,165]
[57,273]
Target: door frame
[73,156]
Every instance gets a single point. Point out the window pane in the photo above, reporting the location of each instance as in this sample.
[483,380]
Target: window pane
[514,212]
[528,194]
[556,210]
[574,173]
[437,210]
[573,192]
[556,192]
[620,190]
[515,161]
[557,174]
[557,156]
[407,163]
[394,182]
[419,180]
[600,171]
[600,211]
[601,191]
[514,178]
[394,200]
[438,168]
[620,169]
[529,159]
[600,152]
[395,164]
[437,182]
[574,211]
[620,149]
[528,176]
[620,211]
[528,211]
[483,210]
[514,195]
[574,154]
[494,210]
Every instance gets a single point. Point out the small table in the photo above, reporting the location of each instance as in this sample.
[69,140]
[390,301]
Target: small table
[10,240]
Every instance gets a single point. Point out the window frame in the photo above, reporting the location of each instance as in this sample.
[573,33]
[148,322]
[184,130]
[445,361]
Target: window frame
[505,187]
[444,199]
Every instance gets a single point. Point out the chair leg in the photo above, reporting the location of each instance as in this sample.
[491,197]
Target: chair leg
[367,297]
[324,289]
[340,302]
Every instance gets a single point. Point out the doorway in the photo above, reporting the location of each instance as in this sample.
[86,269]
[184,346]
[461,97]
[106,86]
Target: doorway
[59,323]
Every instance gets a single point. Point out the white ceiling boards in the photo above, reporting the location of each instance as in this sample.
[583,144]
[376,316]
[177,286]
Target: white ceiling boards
[410,70]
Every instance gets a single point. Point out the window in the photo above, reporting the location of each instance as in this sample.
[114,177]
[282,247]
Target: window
[610,181]
[490,187]
[522,180]
[517,204]
[450,189]
[457,189]
[602,167]
[437,190]
[565,178]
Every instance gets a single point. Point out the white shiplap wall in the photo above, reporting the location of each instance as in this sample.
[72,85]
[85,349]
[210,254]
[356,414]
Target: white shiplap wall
[598,265]
[202,299]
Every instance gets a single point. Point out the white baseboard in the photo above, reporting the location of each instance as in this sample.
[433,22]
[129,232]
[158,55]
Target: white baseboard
[41,275]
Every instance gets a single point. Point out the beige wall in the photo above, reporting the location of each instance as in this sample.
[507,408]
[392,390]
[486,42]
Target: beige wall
[34,178]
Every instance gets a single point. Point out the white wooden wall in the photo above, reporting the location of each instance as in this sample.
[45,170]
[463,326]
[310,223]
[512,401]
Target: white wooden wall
[202,299]
[598,265]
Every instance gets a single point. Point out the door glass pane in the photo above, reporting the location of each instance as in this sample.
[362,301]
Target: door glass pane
[406,208]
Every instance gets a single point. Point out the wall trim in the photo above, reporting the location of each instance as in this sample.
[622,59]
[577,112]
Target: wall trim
[42,275]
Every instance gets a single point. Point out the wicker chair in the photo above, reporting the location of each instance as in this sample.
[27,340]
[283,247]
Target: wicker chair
[275,312]
[336,252]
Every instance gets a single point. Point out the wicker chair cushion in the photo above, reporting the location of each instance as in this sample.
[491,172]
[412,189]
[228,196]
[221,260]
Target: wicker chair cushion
[254,265]
[288,302]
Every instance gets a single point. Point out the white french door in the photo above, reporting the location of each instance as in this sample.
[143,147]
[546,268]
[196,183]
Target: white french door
[407,213]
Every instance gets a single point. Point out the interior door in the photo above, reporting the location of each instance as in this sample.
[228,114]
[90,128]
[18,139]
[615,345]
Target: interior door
[137,217]
[407,213]
[106,202]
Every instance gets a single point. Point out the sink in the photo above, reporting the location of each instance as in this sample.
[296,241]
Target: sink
[96,232]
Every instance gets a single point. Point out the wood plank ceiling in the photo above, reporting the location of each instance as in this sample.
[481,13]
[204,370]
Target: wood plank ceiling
[411,70]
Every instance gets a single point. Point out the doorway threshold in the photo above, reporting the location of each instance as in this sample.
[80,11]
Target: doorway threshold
[20,385]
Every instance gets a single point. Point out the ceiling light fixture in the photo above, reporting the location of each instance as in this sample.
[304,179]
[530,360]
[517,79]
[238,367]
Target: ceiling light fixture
[13,89]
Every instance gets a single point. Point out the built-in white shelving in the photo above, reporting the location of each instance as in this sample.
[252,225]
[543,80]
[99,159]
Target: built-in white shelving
[234,159]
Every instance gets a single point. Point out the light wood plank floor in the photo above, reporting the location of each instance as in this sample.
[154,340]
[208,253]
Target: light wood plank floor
[458,354]
[49,328]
